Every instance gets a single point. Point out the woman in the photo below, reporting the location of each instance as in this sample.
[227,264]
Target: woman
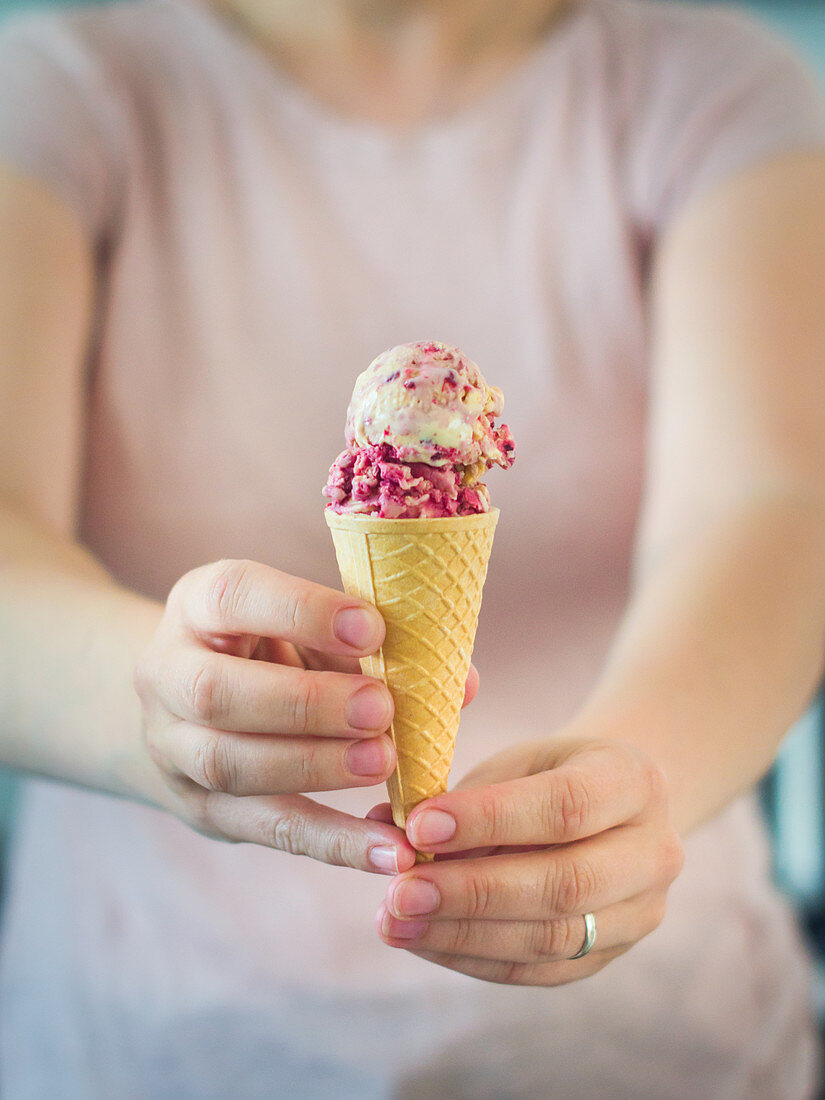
[213,217]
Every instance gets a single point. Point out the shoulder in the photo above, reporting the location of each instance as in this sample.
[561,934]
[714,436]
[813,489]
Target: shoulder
[681,54]
[692,94]
[121,21]
[703,34]
[668,60]
[75,85]
[114,38]
[131,65]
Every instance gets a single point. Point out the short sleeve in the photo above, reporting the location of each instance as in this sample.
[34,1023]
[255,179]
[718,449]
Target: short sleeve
[58,117]
[718,94]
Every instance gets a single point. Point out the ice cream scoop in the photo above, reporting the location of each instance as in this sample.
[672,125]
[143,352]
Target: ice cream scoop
[420,435]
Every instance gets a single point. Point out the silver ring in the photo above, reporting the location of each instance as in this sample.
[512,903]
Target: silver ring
[589,937]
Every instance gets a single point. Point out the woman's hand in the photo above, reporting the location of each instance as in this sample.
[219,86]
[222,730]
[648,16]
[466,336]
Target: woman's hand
[539,835]
[251,694]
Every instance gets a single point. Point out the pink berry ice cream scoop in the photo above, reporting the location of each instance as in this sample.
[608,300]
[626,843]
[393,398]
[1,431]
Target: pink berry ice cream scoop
[420,436]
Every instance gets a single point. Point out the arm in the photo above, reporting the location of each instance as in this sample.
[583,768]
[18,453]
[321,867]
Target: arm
[62,669]
[225,742]
[724,637]
[722,641]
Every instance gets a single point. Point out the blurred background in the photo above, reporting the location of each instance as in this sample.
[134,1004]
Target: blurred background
[794,793]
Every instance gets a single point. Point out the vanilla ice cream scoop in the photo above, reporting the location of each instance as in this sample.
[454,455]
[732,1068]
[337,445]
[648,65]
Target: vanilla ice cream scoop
[431,403]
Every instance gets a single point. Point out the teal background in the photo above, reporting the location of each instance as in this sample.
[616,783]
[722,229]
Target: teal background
[800,777]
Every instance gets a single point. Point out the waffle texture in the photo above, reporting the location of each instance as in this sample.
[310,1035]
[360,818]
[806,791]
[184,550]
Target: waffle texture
[425,576]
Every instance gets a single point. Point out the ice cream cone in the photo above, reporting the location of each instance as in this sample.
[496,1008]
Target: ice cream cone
[425,576]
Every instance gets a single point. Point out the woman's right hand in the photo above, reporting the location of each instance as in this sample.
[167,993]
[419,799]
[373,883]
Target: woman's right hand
[251,694]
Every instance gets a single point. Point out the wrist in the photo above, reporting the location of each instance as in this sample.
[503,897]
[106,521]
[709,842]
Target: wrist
[127,768]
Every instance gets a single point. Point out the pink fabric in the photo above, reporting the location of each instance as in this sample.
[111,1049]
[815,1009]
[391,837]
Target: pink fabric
[250,247]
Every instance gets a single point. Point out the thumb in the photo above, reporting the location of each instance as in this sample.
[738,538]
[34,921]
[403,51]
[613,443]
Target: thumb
[516,762]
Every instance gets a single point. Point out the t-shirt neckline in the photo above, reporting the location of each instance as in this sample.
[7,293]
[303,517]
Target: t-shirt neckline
[318,116]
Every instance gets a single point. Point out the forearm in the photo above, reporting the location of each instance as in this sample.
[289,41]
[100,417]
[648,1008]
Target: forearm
[69,639]
[720,649]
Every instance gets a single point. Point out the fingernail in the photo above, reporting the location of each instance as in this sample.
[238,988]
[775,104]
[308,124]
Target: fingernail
[368,757]
[356,627]
[432,827]
[368,709]
[414,897]
[403,929]
[384,858]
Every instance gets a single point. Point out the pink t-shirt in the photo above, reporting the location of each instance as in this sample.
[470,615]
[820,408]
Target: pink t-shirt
[255,252]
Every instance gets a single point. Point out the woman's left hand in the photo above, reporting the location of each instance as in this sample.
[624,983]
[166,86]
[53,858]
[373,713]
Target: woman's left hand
[539,835]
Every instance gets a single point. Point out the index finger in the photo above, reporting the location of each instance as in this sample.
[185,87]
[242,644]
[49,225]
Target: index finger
[591,792]
[246,597]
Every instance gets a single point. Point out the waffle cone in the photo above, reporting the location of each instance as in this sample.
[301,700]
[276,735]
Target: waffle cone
[425,576]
